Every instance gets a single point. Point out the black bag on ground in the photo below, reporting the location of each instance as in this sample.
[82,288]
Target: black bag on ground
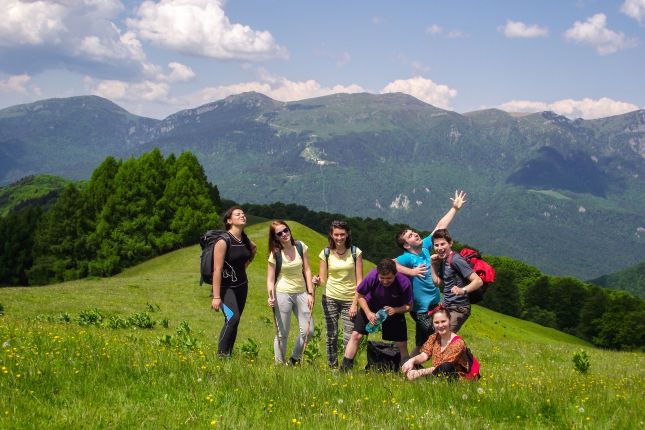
[383,356]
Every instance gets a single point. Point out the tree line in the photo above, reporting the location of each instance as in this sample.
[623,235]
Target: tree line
[133,210]
[607,318]
[128,211]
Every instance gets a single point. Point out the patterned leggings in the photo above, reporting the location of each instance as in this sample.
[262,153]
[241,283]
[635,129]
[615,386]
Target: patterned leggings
[333,309]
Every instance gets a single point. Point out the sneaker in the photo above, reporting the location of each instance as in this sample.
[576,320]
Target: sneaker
[293,362]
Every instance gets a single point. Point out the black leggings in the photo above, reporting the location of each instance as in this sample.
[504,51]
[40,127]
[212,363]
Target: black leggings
[446,370]
[235,299]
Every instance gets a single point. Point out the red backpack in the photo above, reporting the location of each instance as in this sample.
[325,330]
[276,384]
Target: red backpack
[482,268]
[473,370]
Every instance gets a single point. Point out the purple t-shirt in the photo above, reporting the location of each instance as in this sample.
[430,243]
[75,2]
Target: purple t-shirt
[399,293]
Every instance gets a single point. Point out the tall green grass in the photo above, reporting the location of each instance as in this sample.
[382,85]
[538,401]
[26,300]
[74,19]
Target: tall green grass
[63,375]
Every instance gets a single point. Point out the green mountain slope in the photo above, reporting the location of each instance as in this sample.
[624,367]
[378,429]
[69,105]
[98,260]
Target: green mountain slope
[125,378]
[40,190]
[536,182]
[66,137]
[631,279]
[172,282]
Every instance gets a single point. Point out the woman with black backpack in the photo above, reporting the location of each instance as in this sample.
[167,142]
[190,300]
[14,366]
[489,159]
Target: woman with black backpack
[232,253]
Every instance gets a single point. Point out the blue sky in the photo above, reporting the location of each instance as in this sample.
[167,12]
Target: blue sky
[579,58]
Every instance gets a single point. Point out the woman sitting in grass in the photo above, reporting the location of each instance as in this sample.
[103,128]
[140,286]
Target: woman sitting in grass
[448,352]
[290,288]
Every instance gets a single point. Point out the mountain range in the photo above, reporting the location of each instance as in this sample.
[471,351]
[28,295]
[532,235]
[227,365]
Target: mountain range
[567,196]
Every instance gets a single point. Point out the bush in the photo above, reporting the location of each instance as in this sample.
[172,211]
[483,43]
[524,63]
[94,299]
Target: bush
[141,320]
[89,317]
[581,362]
[250,349]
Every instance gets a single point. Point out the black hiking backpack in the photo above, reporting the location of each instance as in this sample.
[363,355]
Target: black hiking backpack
[207,242]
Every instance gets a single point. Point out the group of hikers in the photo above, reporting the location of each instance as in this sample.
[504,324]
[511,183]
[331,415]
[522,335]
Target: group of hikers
[408,283]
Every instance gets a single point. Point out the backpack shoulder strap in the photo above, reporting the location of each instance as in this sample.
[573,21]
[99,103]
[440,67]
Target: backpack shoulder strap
[354,253]
[299,248]
[327,251]
[277,256]
[450,257]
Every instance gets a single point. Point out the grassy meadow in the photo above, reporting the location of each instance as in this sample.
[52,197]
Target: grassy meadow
[57,373]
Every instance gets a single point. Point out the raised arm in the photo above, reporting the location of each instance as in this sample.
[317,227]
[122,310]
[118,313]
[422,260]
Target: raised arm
[457,202]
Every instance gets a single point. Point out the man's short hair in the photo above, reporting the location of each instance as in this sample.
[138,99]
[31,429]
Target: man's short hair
[385,267]
[442,233]
[400,241]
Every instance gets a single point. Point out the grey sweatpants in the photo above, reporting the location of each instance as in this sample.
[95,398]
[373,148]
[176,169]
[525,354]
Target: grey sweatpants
[285,304]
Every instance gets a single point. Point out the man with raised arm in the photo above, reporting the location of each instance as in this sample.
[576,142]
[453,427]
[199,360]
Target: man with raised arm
[415,263]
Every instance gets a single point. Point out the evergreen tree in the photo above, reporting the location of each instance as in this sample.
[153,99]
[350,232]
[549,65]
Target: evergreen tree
[129,225]
[622,325]
[591,313]
[504,295]
[186,204]
[17,231]
[60,245]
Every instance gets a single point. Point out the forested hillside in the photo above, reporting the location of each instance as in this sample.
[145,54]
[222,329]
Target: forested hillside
[533,180]
[132,210]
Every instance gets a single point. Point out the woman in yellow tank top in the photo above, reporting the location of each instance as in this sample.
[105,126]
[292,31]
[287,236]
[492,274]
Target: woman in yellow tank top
[341,270]
[290,291]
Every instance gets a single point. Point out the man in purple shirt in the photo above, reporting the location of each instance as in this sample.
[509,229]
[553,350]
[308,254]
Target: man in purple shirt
[382,288]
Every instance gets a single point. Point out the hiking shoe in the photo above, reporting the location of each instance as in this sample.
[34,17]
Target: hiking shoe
[293,362]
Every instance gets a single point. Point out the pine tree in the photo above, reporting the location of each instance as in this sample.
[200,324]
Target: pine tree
[16,243]
[60,242]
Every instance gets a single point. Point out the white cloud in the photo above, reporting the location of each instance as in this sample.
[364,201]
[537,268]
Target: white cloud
[634,9]
[179,73]
[423,89]
[200,27]
[455,34]
[148,91]
[79,34]
[278,88]
[515,29]
[19,84]
[586,108]
[31,23]
[594,32]
[434,29]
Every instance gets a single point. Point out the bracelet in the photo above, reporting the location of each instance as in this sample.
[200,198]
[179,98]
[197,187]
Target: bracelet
[218,297]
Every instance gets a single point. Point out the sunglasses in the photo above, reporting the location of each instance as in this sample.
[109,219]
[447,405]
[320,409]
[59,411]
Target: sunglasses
[282,232]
